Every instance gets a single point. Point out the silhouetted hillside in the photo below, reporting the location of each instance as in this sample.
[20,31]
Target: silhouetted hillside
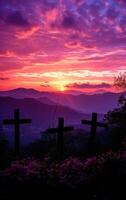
[42,115]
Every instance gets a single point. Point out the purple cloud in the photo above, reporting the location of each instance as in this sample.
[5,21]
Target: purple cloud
[88,85]
[68,21]
[17,19]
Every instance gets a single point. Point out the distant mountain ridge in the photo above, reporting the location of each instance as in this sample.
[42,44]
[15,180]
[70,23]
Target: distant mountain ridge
[101,102]
[21,93]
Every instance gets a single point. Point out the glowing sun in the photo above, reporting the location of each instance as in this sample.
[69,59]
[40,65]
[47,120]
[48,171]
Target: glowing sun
[62,88]
[60,85]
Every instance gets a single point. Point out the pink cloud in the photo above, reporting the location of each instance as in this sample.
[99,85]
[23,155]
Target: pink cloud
[8,53]
[27,33]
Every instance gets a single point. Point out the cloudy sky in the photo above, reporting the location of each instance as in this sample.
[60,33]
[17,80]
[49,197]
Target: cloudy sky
[58,44]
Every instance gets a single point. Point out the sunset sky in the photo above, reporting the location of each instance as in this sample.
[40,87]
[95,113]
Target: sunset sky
[62,44]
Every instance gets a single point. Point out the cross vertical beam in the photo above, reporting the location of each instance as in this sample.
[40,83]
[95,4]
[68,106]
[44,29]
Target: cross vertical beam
[60,134]
[17,131]
[93,133]
[16,122]
[94,124]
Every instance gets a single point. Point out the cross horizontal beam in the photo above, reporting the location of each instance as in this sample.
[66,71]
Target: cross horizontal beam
[25,121]
[100,124]
[86,122]
[12,121]
[55,130]
[8,121]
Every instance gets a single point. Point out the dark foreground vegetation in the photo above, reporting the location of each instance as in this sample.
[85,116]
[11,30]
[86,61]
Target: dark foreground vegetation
[99,177]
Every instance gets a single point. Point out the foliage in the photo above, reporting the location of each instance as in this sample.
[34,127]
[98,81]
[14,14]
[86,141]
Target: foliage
[118,115]
[99,177]
[71,172]
[120,81]
[3,152]
[116,119]
[3,144]
[22,170]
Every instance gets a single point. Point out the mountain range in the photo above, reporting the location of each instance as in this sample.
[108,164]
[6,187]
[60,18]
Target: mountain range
[44,108]
[84,103]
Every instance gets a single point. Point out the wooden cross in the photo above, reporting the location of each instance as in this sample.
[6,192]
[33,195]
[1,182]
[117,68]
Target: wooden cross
[60,137]
[94,124]
[16,122]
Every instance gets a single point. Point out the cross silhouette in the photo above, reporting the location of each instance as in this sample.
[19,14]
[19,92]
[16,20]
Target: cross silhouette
[60,137]
[16,122]
[94,124]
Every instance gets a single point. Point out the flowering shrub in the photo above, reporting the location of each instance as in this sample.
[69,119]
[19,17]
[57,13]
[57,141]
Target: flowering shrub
[23,170]
[71,173]
[101,167]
